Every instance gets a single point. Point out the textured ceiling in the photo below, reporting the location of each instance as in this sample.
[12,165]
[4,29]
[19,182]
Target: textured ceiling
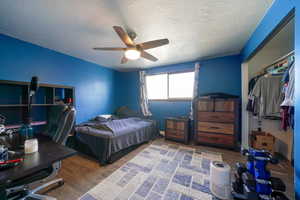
[196,28]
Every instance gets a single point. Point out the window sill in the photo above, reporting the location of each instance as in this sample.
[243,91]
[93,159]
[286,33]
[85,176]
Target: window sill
[171,100]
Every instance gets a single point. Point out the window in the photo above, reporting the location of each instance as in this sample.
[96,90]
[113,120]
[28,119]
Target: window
[157,86]
[181,85]
[170,86]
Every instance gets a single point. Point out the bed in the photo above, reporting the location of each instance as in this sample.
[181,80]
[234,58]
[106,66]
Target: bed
[108,140]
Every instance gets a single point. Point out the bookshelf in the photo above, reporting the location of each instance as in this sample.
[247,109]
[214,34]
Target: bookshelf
[14,96]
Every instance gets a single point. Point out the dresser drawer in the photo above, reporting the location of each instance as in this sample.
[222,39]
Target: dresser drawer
[171,124]
[207,106]
[175,134]
[224,105]
[177,128]
[216,117]
[215,139]
[216,127]
[178,125]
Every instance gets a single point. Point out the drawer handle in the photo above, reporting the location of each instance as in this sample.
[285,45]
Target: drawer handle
[214,127]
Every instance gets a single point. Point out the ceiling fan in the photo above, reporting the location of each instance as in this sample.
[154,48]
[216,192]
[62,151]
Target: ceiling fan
[134,51]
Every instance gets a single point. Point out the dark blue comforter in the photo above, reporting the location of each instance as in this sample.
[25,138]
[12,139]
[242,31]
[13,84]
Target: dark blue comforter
[107,138]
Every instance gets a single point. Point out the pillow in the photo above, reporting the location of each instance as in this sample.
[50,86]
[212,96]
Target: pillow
[106,116]
[125,112]
[100,119]
[103,118]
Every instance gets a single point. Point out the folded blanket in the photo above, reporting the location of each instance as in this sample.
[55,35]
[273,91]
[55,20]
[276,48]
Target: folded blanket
[116,127]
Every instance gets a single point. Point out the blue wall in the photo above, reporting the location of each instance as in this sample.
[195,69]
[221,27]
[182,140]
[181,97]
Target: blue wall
[215,75]
[297,103]
[94,84]
[278,12]
[127,89]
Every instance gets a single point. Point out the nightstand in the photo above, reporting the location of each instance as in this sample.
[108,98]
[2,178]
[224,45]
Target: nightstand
[177,129]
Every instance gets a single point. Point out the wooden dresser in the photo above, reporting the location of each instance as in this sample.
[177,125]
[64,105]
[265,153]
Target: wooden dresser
[217,121]
[177,129]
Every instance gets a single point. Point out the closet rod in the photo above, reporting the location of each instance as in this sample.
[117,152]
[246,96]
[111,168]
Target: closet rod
[280,59]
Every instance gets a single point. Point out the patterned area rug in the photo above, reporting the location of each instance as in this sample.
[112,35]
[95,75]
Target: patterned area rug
[167,172]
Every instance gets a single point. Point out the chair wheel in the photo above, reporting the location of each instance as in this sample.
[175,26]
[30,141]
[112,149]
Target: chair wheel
[279,196]
[277,184]
[61,183]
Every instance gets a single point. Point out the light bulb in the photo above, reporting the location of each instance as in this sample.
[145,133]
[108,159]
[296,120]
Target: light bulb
[132,54]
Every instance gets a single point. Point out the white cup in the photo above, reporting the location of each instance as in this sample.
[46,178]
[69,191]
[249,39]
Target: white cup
[31,146]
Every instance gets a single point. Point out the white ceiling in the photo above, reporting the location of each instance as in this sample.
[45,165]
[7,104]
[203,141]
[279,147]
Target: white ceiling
[196,29]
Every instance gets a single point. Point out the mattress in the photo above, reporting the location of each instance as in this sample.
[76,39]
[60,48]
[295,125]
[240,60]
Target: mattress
[103,139]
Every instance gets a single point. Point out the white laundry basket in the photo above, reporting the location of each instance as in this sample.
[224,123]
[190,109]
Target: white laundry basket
[220,184]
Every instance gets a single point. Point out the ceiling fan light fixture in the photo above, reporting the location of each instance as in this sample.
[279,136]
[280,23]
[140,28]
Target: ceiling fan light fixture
[134,51]
[132,54]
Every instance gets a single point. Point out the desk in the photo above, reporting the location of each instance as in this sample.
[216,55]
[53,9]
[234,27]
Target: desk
[49,153]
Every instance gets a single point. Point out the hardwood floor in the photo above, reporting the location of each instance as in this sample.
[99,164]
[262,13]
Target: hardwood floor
[82,173]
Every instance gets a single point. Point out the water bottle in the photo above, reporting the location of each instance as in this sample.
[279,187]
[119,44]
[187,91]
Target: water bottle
[3,153]
[26,132]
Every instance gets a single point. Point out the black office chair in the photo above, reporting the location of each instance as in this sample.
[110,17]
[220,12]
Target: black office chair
[58,128]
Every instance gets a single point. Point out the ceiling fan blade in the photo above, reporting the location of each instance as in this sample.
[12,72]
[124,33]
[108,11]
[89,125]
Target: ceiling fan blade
[148,56]
[153,44]
[110,48]
[124,60]
[124,36]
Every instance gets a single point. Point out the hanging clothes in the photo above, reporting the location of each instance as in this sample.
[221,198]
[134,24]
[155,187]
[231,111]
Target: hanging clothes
[267,96]
[292,116]
[285,118]
[271,96]
[287,106]
[252,83]
[252,100]
[289,86]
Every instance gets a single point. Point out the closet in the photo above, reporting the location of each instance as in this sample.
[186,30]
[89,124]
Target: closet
[267,87]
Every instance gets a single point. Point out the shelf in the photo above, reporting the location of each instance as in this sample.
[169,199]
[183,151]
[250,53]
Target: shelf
[24,105]
[44,104]
[36,123]
[22,83]
[15,96]
[13,105]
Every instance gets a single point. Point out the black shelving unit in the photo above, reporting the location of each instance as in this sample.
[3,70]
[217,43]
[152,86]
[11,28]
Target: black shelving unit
[14,96]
